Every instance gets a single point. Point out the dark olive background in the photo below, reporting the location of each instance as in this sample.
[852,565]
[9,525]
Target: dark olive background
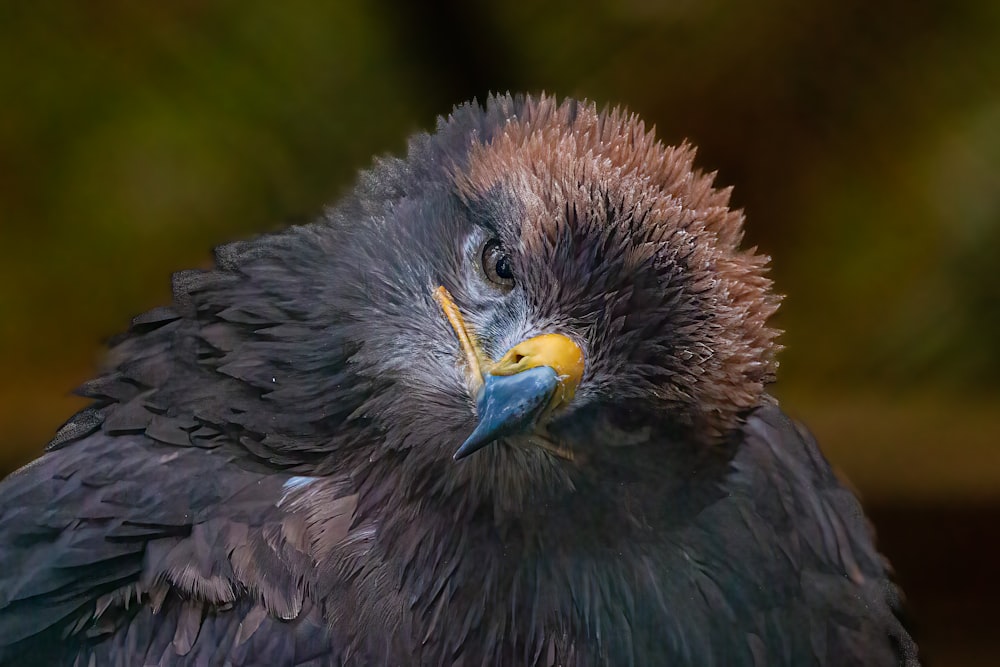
[863,140]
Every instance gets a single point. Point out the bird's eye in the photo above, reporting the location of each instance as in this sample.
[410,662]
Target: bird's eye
[496,265]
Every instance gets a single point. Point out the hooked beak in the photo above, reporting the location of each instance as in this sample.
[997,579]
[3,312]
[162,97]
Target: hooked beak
[517,393]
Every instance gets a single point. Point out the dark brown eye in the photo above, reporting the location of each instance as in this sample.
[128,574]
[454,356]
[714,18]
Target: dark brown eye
[496,265]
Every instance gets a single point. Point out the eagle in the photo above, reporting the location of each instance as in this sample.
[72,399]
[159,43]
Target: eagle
[504,404]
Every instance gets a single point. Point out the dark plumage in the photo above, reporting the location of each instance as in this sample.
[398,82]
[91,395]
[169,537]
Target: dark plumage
[266,474]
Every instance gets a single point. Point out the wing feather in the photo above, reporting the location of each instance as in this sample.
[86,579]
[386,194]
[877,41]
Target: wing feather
[108,538]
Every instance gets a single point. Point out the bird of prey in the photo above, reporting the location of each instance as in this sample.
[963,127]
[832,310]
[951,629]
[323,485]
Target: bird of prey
[505,404]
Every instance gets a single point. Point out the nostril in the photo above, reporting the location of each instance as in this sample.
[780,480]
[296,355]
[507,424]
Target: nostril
[517,357]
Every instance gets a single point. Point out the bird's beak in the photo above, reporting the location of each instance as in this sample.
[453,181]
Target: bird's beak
[516,393]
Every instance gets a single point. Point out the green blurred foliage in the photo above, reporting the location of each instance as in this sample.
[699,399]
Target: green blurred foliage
[863,139]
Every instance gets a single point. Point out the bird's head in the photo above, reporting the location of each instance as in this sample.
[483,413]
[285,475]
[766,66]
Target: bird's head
[543,287]
[537,296]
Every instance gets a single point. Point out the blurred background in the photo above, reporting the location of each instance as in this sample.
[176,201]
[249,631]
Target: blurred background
[863,140]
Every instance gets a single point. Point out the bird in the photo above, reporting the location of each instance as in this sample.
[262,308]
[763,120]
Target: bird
[506,403]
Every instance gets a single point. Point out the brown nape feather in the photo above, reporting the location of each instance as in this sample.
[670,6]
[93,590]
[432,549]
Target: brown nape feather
[557,158]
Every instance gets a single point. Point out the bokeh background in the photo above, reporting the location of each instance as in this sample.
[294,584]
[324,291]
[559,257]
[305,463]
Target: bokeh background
[862,138]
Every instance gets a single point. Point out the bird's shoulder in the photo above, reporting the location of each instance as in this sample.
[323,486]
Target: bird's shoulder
[797,542]
[175,494]
[155,553]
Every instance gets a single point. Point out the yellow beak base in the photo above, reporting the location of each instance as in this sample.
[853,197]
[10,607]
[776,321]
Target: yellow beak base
[556,351]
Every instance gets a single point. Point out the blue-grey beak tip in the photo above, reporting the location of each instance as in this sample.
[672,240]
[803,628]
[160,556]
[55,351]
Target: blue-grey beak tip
[509,404]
